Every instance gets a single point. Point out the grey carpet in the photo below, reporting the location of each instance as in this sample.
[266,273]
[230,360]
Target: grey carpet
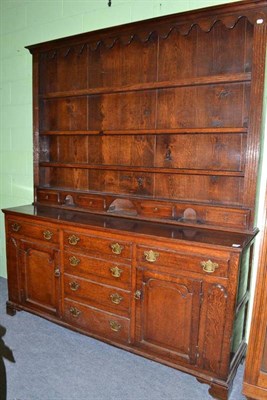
[53,363]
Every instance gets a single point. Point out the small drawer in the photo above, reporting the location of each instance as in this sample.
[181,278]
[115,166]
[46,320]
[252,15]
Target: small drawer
[234,218]
[98,245]
[37,232]
[173,261]
[97,295]
[114,274]
[90,203]
[46,196]
[97,322]
[212,215]
[156,210]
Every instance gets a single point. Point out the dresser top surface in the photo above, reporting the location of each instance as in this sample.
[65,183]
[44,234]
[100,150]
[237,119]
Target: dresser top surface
[236,241]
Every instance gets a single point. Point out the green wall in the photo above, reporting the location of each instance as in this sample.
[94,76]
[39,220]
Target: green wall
[25,22]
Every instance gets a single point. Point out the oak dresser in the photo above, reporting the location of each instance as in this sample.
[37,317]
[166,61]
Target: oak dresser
[146,152]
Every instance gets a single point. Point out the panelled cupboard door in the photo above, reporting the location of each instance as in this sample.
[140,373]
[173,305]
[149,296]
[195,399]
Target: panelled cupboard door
[167,315]
[40,273]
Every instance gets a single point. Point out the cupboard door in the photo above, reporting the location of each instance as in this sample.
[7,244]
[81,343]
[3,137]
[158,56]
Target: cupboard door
[167,316]
[40,277]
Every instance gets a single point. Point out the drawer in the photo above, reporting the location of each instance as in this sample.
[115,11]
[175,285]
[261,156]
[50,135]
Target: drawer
[156,210]
[98,246]
[97,295]
[90,203]
[173,261]
[97,322]
[46,196]
[115,274]
[38,232]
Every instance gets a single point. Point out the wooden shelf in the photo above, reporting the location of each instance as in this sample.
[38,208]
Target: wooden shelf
[195,81]
[158,170]
[174,131]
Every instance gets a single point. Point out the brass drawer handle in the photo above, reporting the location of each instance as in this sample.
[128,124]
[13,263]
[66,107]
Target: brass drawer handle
[47,235]
[73,240]
[137,295]
[116,298]
[74,261]
[115,326]
[116,272]
[74,286]
[151,256]
[75,312]
[209,266]
[57,272]
[15,227]
[116,248]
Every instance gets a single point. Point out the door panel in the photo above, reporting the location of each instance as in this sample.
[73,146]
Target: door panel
[167,316]
[40,280]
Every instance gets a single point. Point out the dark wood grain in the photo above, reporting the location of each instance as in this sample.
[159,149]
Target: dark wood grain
[176,280]
[97,321]
[190,81]
[71,62]
[85,220]
[146,154]
[97,295]
[181,131]
[39,283]
[112,273]
[158,325]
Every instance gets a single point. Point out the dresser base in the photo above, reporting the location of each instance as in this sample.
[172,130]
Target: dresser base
[218,389]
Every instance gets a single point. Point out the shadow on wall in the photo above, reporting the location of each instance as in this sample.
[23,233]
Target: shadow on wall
[5,352]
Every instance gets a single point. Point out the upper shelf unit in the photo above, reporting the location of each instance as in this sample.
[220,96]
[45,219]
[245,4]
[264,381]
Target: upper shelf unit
[164,112]
[152,86]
